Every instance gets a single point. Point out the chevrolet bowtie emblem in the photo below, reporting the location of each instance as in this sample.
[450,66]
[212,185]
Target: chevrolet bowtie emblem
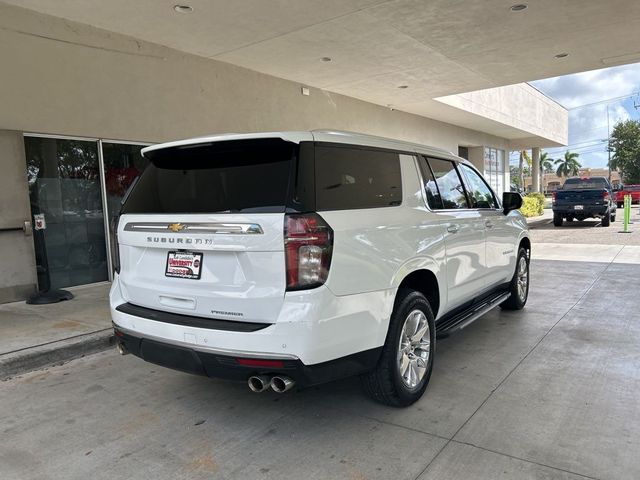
[176,227]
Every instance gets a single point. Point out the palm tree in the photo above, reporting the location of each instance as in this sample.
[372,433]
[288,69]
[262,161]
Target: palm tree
[524,157]
[546,163]
[569,165]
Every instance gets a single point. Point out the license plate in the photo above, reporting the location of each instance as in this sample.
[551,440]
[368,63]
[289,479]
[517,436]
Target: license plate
[578,207]
[184,265]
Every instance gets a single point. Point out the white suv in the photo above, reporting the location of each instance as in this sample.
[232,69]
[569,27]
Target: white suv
[302,257]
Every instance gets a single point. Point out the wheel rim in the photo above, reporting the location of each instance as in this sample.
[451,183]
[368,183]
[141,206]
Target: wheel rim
[414,348]
[523,278]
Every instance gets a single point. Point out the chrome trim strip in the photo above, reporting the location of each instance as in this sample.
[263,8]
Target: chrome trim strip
[216,228]
[200,348]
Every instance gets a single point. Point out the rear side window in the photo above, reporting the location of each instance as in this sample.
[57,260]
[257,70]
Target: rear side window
[449,184]
[216,177]
[351,178]
[585,183]
[430,188]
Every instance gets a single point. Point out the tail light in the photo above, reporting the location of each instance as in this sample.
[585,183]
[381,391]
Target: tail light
[605,196]
[308,243]
[554,196]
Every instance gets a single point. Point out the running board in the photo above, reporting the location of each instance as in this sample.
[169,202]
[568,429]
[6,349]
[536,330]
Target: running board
[447,326]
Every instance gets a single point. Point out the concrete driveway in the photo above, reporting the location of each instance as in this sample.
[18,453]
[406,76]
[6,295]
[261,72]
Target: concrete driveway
[549,392]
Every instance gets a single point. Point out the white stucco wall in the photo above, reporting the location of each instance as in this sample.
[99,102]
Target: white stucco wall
[520,106]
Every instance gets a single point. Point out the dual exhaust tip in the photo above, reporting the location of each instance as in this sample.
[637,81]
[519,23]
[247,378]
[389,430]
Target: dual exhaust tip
[279,383]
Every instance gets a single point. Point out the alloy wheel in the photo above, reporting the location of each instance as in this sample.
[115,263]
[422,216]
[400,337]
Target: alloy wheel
[414,348]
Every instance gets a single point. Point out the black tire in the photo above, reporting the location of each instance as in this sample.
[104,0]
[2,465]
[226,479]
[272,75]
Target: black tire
[606,220]
[613,218]
[557,220]
[620,205]
[384,383]
[569,219]
[517,301]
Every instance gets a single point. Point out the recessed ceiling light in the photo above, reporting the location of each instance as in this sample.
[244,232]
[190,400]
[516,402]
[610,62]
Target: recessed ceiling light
[403,86]
[183,8]
[519,7]
[326,59]
[561,55]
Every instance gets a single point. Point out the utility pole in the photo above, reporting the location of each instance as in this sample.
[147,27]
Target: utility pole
[608,144]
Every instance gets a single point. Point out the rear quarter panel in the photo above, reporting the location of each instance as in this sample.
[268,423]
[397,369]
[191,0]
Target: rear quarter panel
[375,249]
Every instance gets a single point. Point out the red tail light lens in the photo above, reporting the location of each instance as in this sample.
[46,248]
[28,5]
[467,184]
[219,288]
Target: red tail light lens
[252,362]
[553,196]
[308,243]
[605,196]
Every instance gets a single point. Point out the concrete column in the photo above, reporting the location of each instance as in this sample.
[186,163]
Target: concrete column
[535,167]
[18,266]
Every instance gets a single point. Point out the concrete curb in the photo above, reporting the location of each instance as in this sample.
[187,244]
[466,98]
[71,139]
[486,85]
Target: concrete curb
[49,354]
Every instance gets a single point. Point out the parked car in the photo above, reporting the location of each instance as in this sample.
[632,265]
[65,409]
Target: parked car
[584,197]
[302,257]
[633,190]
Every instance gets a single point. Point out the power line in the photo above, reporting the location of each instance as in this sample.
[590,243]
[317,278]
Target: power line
[607,100]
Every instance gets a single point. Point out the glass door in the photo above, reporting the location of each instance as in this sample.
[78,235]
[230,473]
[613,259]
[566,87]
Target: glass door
[122,164]
[64,186]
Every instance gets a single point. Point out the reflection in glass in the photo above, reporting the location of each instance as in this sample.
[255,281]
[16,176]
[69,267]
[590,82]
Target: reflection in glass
[64,185]
[122,164]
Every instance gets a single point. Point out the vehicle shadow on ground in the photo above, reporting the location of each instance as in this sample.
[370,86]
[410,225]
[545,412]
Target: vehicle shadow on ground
[576,225]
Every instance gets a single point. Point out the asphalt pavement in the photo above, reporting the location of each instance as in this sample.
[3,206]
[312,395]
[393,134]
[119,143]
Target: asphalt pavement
[549,392]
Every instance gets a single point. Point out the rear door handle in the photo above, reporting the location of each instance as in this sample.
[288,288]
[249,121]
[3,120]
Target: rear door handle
[452,229]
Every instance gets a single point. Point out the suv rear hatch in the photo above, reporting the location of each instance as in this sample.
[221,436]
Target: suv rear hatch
[201,232]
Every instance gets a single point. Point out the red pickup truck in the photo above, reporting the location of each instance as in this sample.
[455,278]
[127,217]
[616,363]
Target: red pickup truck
[633,190]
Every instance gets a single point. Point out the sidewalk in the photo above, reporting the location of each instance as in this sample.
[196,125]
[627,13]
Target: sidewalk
[547,216]
[35,336]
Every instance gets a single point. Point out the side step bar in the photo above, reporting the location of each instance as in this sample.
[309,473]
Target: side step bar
[447,326]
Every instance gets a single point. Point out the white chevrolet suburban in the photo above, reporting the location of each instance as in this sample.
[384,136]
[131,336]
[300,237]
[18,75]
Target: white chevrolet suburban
[303,257]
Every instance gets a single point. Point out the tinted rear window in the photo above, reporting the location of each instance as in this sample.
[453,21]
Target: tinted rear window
[584,183]
[217,177]
[351,178]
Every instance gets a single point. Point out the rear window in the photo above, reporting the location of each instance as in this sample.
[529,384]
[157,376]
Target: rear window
[584,183]
[352,178]
[215,177]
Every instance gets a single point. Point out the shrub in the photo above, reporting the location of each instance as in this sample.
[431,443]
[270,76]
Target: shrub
[531,206]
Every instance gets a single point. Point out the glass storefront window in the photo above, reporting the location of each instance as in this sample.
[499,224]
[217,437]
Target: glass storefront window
[494,168]
[64,185]
[122,164]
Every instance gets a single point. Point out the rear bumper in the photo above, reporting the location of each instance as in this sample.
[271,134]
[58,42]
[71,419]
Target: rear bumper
[228,367]
[313,327]
[587,211]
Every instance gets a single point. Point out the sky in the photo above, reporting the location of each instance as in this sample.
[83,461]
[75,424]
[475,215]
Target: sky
[588,123]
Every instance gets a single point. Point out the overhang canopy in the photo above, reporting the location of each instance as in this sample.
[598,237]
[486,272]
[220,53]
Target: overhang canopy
[399,53]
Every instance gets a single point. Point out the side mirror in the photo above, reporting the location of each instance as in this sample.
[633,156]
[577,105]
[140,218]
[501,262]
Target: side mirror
[511,201]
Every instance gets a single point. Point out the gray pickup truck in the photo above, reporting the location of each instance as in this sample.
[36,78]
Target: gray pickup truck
[584,197]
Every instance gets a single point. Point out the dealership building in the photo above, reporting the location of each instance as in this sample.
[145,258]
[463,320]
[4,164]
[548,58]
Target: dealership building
[86,84]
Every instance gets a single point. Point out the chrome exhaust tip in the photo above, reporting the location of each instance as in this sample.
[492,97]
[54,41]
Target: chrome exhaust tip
[281,384]
[259,383]
[121,348]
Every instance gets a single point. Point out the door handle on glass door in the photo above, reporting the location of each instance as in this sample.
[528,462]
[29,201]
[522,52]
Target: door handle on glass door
[452,229]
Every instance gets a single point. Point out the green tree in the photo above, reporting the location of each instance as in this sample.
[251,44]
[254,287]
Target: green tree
[625,146]
[569,165]
[546,163]
[524,157]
